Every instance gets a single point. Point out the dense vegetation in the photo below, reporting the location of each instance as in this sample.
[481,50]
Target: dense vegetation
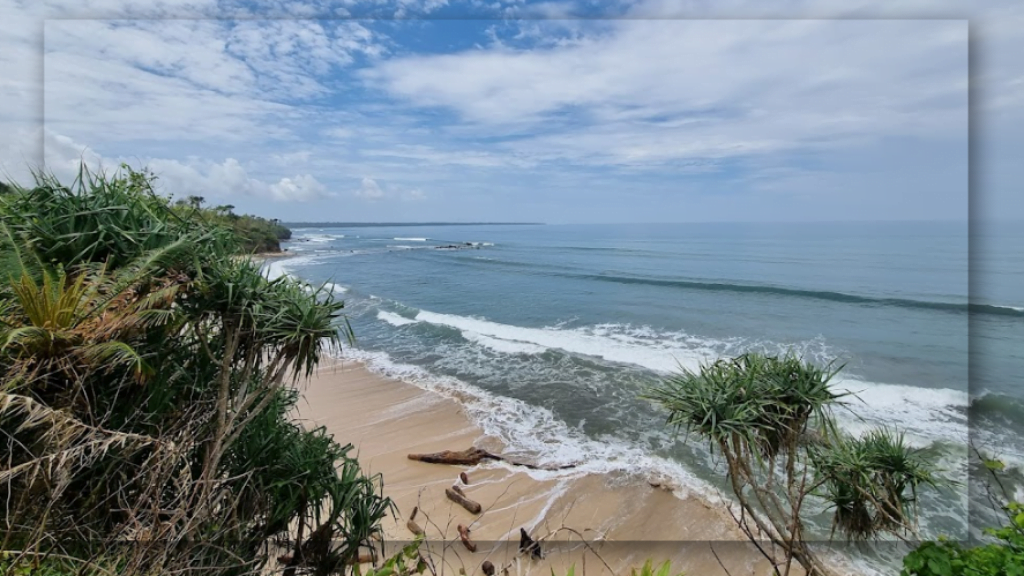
[255,234]
[147,379]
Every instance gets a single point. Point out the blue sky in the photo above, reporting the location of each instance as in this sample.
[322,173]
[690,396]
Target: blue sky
[658,112]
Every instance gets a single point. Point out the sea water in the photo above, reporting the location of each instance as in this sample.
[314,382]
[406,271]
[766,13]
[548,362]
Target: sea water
[549,333]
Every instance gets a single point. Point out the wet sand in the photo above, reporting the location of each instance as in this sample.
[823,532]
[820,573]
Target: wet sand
[623,519]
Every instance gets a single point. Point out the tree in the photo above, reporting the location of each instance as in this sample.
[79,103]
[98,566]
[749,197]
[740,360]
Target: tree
[771,419]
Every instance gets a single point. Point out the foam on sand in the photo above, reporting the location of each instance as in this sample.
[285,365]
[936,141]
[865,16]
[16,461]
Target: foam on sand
[387,420]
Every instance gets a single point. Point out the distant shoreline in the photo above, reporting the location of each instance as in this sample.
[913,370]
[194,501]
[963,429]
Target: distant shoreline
[393,224]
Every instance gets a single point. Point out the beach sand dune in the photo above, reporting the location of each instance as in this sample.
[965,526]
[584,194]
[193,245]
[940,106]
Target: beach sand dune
[623,520]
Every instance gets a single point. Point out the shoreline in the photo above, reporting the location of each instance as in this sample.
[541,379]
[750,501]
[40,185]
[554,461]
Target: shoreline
[623,520]
[261,256]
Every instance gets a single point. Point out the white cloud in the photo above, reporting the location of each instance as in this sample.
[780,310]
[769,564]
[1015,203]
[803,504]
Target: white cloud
[251,107]
[300,189]
[230,178]
[369,189]
[200,178]
[339,133]
[180,80]
[415,195]
[657,91]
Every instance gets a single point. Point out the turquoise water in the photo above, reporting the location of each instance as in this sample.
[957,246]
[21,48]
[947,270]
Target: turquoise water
[549,333]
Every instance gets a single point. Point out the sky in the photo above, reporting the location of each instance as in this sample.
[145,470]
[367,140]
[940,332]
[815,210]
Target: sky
[558,112]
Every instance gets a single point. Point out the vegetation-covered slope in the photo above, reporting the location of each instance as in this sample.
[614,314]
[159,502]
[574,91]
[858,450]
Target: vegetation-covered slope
[256,234]
[146,381]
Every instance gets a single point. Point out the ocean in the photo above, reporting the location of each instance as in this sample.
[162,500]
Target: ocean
[549,333]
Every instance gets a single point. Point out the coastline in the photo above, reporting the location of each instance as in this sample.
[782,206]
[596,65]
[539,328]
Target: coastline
[624,521]
[263,256]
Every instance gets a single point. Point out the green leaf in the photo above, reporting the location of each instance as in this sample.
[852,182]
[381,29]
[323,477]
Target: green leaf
[995,465]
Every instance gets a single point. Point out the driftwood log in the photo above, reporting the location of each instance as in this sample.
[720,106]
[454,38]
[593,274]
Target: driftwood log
[487,568]
[467,457]
[470,505]
[464,535]
[464,477]
[473,456]
[412,525]
[414,528]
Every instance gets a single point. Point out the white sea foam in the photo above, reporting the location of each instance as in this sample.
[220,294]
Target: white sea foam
[924,414]
[411,239]
[319,238]
[502,345]
[394,319]
[535,432]
[274,270]
[335,288]
[597,341]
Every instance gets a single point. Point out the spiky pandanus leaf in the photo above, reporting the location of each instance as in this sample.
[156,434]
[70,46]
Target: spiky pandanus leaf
[764,402]
[872,482]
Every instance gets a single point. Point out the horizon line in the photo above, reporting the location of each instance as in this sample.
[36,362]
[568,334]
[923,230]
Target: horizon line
[367,224]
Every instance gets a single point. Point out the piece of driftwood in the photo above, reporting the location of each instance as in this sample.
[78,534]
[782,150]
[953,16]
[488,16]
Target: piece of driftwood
[414,527]
[527,544]
[464,535]
[473,456]
[415,509]
[458,490]
[488,568]
[471,506]
[467,457]
[465,478]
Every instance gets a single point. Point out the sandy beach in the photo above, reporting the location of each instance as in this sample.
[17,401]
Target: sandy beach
[622,520]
